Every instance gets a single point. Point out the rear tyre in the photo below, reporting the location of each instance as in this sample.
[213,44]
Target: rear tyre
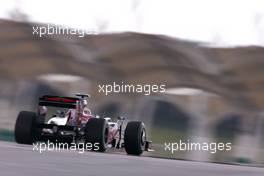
[96,134]
[25,127]
[135,138]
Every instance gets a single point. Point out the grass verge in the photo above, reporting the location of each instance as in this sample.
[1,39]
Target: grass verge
[6,135]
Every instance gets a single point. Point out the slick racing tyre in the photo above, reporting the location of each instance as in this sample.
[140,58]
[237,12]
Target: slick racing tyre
[96,133]
[25,127]
[135,138]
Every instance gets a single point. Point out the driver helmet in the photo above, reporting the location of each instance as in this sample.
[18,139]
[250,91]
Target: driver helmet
[43,110]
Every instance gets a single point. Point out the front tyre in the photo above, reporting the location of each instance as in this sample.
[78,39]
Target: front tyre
[96,134]
[135,138]
[25,127]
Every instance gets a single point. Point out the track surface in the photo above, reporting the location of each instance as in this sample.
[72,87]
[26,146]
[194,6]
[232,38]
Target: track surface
[21,160]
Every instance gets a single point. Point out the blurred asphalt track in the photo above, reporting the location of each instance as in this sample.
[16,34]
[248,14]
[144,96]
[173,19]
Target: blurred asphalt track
[22,160]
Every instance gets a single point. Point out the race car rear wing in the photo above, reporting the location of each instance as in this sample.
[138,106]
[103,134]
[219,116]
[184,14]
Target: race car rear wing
[58,101]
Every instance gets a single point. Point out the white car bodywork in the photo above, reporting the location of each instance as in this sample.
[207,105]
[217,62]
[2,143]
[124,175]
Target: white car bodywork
[58,120]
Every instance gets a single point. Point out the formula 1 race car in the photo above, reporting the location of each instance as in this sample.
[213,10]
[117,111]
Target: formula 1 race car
[74,122]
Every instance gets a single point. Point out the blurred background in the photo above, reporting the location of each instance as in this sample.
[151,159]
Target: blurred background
[209,54]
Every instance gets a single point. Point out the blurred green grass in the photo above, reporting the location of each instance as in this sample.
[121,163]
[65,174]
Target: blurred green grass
[160,136]
[6,135]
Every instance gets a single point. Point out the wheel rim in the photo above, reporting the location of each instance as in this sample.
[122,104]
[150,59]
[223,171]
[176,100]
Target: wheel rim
[143,137]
